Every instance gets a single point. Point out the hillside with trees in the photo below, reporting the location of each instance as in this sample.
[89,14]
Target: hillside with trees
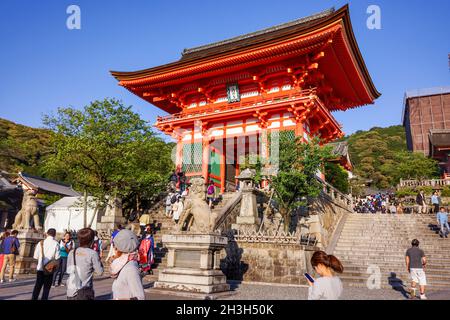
[380,155]
[23,148]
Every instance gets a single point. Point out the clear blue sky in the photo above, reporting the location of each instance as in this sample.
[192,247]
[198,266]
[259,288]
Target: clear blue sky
[44,65]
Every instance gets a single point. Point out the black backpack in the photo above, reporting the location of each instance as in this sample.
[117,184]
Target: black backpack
[173,199]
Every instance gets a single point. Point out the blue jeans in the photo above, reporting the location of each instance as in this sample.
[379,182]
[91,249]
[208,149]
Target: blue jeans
[443,226]
[61,271]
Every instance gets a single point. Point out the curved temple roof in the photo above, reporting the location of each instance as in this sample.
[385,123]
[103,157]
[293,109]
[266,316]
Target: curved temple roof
[197,60]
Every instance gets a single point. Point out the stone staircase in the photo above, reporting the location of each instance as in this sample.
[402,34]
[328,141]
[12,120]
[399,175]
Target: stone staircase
[382,240]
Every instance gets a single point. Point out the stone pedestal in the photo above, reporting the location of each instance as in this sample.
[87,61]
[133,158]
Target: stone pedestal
[28,239]
[112,218]
[193,264]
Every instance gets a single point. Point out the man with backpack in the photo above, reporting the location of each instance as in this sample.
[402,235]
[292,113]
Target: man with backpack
[10,248]
[47,254]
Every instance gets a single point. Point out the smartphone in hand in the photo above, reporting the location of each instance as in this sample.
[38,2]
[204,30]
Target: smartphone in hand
[308,276]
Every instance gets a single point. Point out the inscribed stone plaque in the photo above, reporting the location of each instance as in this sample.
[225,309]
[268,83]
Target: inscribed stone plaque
[187,259]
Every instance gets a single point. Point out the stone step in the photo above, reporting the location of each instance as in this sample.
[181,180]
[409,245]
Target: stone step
[400,269]
[397,257]
[362,282]
[403,246]
[400,275]
[342,254]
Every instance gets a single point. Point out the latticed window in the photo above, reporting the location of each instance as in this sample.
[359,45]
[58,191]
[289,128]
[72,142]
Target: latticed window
[192,157]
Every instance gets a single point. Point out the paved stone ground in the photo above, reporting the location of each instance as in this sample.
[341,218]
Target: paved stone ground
[266,292]
[22,288]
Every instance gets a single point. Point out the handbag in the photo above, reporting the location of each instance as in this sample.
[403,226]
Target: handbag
[51,266]
[84,293]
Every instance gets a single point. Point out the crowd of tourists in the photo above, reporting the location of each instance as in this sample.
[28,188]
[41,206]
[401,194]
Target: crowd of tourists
[378,203]
[130,258]
[388,203]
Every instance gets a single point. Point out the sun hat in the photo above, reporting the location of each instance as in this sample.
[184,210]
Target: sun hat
[126,241]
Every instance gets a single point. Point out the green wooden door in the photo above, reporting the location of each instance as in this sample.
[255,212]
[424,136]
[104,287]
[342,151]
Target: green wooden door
[214,166]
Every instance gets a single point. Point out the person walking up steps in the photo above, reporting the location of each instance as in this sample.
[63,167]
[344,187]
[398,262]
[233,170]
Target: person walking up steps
[442,219]
[420,200]
[415,264]
[328,286]
[435,202]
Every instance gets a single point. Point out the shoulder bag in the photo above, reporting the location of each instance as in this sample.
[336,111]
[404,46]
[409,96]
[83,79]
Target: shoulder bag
[51,266]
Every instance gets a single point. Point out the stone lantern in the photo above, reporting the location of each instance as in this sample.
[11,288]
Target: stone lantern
[248,216]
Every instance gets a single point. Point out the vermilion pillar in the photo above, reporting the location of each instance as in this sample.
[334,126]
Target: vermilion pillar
[179,155]
[299,128]
[205,157]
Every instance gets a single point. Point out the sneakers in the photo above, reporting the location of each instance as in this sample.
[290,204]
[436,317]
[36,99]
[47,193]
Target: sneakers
[12,280]
[62,285]
[1,281]
[423,297]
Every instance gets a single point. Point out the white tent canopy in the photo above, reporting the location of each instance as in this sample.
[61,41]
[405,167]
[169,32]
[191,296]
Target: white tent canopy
[67,214]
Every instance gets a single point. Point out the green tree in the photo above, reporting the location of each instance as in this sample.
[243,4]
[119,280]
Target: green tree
[336,175]
[22,148]
[296,180]
[107,150]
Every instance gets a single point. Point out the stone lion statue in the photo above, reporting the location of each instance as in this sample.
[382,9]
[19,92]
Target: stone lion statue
[196,216]
[29,210]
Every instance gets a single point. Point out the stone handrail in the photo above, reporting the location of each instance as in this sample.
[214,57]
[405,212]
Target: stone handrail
[228,210]
[336,196]
[424,183]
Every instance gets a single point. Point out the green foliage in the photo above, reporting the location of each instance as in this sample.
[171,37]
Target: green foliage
[380,154]
[337,176]
[405,192]
[22,148]
[446,191]
[252,161]
[296,179]
[107,150]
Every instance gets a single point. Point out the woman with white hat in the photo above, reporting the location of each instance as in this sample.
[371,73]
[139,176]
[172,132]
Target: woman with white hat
[125,269]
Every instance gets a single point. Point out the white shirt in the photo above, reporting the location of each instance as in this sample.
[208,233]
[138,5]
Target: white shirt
[325,288]
[51,251]
[178,211]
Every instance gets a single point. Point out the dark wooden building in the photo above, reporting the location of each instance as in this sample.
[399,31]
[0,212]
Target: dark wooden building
[426,118]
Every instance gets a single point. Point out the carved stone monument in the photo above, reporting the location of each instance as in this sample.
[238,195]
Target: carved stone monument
[29,210]
[248,215]
[196,216]
[193,263]
[28,237]
[113,216]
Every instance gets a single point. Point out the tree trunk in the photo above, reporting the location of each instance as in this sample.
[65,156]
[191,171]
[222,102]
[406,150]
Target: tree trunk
[94,215]
[85,209]
[286,217]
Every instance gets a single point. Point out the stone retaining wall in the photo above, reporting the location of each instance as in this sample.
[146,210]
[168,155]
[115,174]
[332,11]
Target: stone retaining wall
[266,262]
